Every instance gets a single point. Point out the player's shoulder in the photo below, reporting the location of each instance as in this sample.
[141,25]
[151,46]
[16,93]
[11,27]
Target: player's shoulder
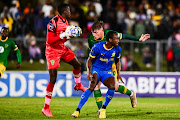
[91,38]
[106,31]
[118,48]
[99,44]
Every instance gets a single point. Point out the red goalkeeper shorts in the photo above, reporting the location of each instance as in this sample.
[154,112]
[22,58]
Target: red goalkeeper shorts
[54,58]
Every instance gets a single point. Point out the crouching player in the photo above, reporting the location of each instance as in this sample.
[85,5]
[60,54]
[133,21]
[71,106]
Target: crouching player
[5,47]
[101,58]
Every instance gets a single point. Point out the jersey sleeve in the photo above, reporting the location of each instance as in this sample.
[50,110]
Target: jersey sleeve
[94,51]
[51,32]
[118,52]
[14,46]
[130,37]
[90,44]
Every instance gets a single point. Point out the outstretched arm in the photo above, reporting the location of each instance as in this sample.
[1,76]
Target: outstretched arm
[18,54]
[143,37]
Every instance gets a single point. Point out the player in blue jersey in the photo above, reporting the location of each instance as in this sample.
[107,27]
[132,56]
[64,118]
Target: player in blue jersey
[101,58]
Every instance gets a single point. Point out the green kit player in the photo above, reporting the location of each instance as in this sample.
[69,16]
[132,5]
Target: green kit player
[5,47]
[98,35]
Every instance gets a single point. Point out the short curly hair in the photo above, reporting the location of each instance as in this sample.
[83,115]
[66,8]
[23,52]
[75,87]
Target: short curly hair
[62,7]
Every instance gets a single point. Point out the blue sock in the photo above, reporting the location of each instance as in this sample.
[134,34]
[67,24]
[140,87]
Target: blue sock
[109,96]
[84,98]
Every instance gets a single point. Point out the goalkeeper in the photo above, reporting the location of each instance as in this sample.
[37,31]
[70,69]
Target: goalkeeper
[98,35]
[58,32]
[5,47]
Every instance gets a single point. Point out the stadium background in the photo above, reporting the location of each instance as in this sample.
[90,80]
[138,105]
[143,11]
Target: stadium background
[146,67]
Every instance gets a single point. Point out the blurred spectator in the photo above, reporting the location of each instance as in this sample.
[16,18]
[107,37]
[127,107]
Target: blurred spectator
[29,17]
[46,19]
[147,57]
[170,60]
[38,24]
[13,9]
[81,54]
[140,28]
[34,50]
[28,9]
[20,24]
[120,16]
[157,17]
[150,28]
[91,16]
[108,15]
[129,24]
[163,30]
[98,7]
[47,8]
[141,16]
[75,15]
[7,19]
[177,56]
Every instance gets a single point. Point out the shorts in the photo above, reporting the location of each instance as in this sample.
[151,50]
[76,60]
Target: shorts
[2,69]
[54,58]
[102,74]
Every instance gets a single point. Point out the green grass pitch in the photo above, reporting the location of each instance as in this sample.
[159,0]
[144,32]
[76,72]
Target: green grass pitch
[119,108]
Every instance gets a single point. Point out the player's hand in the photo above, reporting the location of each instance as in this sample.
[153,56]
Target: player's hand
[144,37]
[18,65]
[120,79]
[89,76]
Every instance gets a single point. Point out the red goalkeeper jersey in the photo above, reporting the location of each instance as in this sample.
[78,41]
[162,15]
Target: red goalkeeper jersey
[56,25]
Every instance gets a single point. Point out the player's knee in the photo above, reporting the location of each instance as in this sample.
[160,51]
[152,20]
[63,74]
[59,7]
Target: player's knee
[77,66]
[112,87]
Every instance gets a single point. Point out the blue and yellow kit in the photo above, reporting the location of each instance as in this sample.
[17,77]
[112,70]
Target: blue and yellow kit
[103,60]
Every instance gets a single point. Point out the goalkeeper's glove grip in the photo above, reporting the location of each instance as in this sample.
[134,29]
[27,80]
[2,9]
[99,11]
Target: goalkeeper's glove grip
[62,35]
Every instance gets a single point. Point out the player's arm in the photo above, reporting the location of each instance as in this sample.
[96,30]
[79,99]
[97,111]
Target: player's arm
[18,54]
[92,55]
[88,65]
[143,37]
[118,65]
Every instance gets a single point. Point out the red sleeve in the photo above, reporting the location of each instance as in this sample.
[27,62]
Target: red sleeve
[52,37]
[51,32]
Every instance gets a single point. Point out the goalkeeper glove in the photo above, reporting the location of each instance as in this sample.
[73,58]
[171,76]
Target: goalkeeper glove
[71,31]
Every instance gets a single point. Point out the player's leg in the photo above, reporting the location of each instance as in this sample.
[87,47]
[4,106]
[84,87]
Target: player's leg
[86,94]
[53,64]
[49,90]
[122,89]
[110,83]
[98,95]
[2,69]
[69,57]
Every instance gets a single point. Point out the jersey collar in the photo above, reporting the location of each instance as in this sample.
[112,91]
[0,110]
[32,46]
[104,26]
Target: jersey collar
[107,48]
[101,38]
[3,40]
[63,19]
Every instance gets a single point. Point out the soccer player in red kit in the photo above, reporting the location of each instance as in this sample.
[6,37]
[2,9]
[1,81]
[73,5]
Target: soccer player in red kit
[58,32]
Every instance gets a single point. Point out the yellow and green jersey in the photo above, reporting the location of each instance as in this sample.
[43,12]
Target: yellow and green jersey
[92,40]
[5,47]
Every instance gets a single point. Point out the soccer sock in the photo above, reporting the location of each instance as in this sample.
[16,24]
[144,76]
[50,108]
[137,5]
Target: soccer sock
[84,98]
[77,75]
[122,89]
[49,90]
[98,98]
[109,96]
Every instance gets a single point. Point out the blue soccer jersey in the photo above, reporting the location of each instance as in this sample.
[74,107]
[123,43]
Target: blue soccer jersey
[103,57]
